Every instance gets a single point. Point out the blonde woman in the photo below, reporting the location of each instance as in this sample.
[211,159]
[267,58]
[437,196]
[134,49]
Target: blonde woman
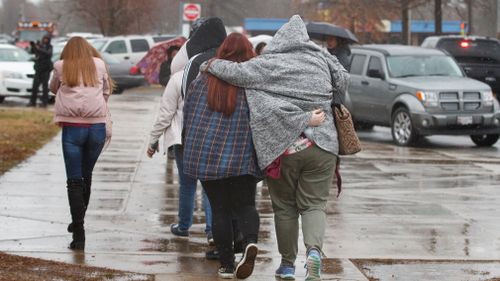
[82,87]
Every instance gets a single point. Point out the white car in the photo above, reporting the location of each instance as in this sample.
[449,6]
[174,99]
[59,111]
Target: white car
[16,72]
[130,48]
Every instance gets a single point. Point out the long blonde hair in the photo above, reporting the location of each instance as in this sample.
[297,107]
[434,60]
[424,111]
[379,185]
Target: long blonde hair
[79,67]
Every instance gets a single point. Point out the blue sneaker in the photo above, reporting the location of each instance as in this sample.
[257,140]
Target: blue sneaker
[285,272]
[175,229]
[313,265]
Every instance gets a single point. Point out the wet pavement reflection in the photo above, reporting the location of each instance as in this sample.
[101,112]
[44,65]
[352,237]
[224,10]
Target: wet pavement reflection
[428,212]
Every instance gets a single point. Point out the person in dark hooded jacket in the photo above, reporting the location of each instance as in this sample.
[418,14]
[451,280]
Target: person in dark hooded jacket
[201,47]
[43,66]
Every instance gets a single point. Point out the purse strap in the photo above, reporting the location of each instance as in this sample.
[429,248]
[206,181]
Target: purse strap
[339,178]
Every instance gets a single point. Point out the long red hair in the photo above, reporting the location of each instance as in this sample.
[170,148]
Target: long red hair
[222,95]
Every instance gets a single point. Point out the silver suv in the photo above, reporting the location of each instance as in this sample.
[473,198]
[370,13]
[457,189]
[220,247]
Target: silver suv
[417,92]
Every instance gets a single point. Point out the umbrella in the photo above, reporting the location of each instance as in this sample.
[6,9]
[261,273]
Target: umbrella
[319,30]
[151,62]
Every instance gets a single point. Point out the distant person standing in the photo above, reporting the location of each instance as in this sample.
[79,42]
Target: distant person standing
[43,67]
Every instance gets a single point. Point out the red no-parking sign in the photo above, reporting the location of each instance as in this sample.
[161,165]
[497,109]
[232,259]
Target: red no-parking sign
[191,12]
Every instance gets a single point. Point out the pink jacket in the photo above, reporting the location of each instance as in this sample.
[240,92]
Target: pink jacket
[80,104]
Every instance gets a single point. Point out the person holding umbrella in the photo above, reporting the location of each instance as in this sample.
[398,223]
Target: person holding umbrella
[337,39]
[339,47]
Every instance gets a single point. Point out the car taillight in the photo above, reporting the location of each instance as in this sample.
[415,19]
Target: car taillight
[134,70]
[465,44]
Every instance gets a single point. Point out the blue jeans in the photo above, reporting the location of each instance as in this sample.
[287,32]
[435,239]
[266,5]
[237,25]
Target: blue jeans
[81,148]
[187,193]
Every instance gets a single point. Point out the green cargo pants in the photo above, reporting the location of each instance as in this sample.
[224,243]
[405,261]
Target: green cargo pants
[302,189]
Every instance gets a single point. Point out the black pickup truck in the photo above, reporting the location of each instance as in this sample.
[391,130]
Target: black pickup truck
[478,56]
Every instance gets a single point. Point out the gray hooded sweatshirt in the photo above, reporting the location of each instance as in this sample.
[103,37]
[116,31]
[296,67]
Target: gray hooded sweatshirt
[291,78]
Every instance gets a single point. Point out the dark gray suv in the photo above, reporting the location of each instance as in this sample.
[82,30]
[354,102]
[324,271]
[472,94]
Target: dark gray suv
[417,92]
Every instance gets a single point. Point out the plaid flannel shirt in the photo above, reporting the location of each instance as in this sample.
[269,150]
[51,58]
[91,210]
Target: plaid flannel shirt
[216,146]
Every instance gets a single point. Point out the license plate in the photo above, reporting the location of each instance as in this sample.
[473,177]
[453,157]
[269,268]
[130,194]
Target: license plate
[464,120]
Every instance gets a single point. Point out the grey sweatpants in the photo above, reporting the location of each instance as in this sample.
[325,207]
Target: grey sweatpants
[302,189]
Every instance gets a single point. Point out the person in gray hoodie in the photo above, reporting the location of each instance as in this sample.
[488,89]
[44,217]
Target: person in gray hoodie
[292,78]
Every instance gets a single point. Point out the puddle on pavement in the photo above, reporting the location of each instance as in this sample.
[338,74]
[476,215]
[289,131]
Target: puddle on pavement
[443,270]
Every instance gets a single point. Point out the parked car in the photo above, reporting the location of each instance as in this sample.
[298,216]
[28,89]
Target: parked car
[125,48]
[418,92]
[125,75]
[478,56]
[16,72]
[86,35]
[6,39]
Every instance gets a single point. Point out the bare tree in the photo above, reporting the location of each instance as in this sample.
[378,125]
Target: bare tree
[15,10]
[466,9]
[438,16]
[114,17]
[363,17]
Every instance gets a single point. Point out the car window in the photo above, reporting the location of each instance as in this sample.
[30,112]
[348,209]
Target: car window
[139,45]
[98,44]
[429,65]
[375,64]
[14,55]
[357,64]
[117,47]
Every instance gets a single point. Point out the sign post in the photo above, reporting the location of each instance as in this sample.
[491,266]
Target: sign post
[190,12]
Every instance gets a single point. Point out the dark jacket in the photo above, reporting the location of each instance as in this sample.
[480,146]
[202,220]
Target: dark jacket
[165,72]
[343,54]
[210,34]
[43,56]
[201,47]
[193,68]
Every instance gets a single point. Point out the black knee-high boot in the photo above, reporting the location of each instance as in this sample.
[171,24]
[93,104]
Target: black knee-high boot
[86,190]
[87,184]
[77,208]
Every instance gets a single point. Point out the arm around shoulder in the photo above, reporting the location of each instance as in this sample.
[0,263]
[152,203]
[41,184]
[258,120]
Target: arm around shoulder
[245,74]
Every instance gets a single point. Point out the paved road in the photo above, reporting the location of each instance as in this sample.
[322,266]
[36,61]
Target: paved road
[424,213]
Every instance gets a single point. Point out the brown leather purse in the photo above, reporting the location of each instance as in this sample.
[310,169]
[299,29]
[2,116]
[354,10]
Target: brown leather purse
[348,139]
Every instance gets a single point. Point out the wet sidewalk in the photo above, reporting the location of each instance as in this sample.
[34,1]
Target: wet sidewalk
[405,213]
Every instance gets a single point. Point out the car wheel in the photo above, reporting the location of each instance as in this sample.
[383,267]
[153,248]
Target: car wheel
[484,140]
[403,132]
[2,99]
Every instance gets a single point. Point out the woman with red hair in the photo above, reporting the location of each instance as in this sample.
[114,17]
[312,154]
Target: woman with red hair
[218,150]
